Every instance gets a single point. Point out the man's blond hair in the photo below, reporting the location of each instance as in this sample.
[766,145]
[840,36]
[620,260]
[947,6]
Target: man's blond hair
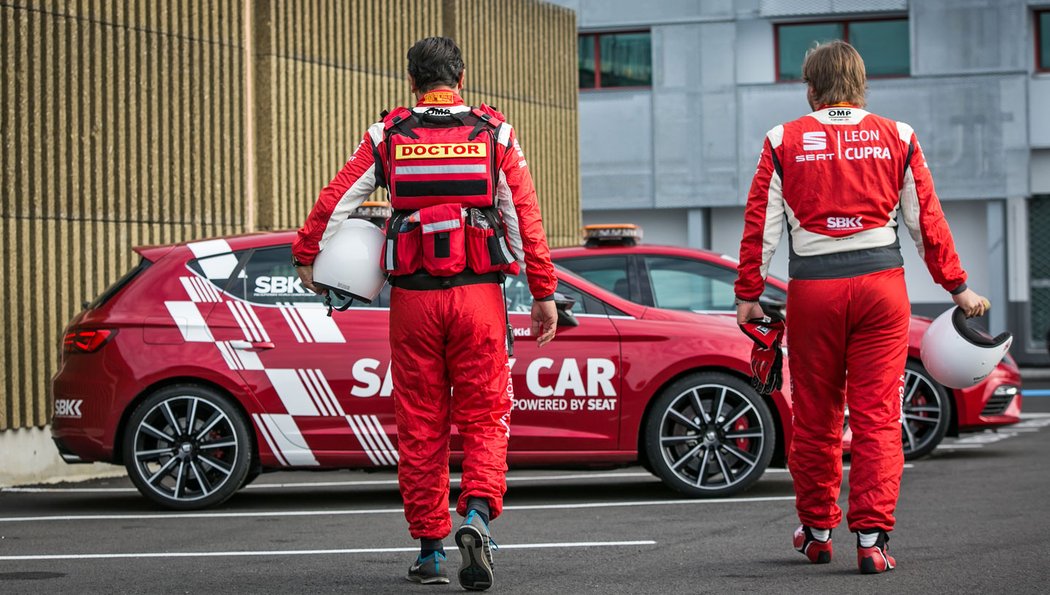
[835,71]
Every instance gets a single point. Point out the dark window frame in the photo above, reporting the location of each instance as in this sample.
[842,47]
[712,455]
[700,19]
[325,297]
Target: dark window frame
[598,59]
[845,37]
[1039,33]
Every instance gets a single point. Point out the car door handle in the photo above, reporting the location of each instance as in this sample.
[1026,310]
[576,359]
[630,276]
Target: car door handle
[250,345]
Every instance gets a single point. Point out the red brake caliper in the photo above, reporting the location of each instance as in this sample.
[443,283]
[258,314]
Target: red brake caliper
[739,426]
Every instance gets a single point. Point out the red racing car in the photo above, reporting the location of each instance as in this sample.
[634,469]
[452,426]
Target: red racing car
[701,281]
[208,364]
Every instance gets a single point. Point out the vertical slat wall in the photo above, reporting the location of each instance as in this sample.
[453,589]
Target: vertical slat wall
[325,69]
[521,58]
[123,124]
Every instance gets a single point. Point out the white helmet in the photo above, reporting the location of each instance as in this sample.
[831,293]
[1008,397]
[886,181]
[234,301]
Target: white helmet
[957,355]
[348,265]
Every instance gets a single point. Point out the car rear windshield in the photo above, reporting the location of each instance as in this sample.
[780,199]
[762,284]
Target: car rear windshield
[113,289]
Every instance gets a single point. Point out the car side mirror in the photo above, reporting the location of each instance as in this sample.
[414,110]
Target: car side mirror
[772,306]
[564,305]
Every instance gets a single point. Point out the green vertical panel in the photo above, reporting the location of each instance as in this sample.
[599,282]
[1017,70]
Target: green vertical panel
[795,40]
[884,46]
[1044,40]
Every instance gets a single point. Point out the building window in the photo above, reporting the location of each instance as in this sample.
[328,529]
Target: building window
[612,60]
[883,43]
[1042,40]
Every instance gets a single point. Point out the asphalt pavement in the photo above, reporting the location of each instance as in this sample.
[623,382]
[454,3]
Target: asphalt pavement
[973,518]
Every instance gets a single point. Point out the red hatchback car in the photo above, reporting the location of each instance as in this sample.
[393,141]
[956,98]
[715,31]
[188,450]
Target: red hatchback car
[209,363]
[701,281]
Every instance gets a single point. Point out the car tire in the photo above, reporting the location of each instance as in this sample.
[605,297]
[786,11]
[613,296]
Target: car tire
[709,434]
[187,447]
[927,412]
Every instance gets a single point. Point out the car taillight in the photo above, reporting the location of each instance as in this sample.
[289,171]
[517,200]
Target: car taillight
[86,341]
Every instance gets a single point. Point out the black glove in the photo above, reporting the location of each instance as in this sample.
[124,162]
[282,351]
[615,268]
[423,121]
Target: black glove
[767,359]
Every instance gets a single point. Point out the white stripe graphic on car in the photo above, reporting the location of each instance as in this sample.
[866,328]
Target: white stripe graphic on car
[291,314]
[311,390]
[229,354]
[324,391]
[382,453]
[286,311]
[190,322]
[253,318]
[390,450]
[191,289]
[366,444]
[260,423]
[285,432]
[322,328]
[292,392]
[216,296]
[248,336]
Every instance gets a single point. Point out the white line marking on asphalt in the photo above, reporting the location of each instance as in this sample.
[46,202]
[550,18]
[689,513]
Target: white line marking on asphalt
[953,446]
[374,482]
[1034,415]
[305,513]
[366,482]
[844,468]
[378,550]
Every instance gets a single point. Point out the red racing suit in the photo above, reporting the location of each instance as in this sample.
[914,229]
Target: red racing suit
[841,177]
[448,346]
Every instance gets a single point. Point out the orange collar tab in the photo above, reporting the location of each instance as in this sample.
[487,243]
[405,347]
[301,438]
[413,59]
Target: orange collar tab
[440,98]
[839,104]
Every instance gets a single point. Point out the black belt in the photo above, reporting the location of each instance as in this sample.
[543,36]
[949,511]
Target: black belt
[426,281]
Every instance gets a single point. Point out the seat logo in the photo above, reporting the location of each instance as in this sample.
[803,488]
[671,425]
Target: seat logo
[814,141]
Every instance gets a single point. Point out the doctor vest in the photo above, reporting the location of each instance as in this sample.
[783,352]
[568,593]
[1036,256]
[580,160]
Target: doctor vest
[441,172]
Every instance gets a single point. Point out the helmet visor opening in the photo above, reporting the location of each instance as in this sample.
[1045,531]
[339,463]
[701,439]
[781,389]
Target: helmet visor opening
[973,335]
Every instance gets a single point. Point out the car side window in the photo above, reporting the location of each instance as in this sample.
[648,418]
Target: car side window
[218,270]
[688,284]
[607,272]
[268,277]
[519,298]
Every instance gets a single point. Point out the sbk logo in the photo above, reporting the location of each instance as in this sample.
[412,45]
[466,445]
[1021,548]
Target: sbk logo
[845,223]
[814,141]
[68,407]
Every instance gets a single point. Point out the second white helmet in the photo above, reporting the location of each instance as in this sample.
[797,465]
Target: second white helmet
[956,354]
[349,263]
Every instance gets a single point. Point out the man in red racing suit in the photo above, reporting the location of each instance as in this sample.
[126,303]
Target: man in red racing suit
[448,344]
[841,177]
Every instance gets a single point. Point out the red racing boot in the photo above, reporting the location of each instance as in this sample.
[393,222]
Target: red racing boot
[818,552]
[877,558]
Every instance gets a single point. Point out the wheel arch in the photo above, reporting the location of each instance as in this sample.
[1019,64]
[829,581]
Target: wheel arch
[778,445]
[118,437]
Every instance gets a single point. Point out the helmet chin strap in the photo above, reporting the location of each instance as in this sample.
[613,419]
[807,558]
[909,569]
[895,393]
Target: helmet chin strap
[330,306]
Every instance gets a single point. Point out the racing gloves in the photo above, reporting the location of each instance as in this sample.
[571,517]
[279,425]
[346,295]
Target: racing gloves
[767,359]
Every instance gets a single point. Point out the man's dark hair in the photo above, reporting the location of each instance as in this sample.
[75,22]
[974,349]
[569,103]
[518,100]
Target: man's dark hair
[435,61]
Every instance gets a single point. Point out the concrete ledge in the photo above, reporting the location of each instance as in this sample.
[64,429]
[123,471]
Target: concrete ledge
[29,457]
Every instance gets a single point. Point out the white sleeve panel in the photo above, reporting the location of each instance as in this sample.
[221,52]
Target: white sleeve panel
[774,226]
[776,136]
[351,199]
[505,204]
[909,206]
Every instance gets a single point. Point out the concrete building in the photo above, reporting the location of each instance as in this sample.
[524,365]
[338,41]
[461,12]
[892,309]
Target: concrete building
[674,149]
